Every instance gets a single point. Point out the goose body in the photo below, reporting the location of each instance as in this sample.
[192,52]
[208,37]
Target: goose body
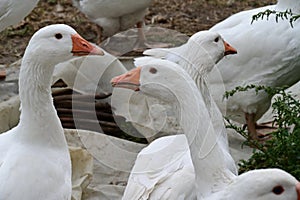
[269,54]
[165,158]
[34,159]
[114,15]
[168,174]
[13,11]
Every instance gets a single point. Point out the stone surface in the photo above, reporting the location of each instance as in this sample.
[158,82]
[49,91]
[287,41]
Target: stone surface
[9,85]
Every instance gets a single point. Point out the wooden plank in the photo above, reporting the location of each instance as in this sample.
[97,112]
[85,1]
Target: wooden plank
[2,74]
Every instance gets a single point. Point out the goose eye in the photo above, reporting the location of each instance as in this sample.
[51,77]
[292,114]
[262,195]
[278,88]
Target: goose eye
[152,70]
[278,190]
[217,39]
[58,36]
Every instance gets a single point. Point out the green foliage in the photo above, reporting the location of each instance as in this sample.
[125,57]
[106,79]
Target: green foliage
[270,91]
[286,15]
[21,31]
[283,150]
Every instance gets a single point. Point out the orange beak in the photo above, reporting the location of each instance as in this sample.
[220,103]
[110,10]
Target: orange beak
[129,80]
[229,49]
[81,47]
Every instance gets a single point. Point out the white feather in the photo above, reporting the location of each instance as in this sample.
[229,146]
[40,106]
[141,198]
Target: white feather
[12,11]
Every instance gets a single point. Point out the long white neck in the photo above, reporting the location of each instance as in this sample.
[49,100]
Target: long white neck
[38,120]
[208,152]
[200,79]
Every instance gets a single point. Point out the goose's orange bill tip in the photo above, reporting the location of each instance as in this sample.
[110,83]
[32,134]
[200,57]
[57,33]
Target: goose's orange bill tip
[229,49]
[129,80]
[81,47]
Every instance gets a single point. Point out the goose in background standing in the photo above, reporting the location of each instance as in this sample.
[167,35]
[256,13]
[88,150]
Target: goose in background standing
[269,55]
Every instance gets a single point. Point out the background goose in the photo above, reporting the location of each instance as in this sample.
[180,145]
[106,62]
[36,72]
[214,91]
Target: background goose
[12,11]
[164,169]
[34,159]
[115,15]
[269,54]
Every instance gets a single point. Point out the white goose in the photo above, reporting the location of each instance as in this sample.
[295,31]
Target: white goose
[34,157]
[13,11]
[115,15]
[196,165]
[269,54]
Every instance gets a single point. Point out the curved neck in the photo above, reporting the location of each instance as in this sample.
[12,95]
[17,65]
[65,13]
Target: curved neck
[207,143]
[35,85]
[38,117]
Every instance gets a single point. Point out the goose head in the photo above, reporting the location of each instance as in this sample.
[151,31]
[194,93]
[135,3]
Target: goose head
[157,78]
[212,43]
[205,49]
[264,184]
[49,46]
[57,43]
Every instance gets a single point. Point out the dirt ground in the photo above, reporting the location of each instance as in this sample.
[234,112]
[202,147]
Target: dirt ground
[185,16]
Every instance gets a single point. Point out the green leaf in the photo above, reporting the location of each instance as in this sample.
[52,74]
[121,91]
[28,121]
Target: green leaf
[282,151]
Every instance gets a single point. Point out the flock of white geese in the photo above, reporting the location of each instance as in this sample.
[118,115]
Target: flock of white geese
[34,157]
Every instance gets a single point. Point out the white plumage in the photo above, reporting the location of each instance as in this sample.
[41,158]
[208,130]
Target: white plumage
[114,15]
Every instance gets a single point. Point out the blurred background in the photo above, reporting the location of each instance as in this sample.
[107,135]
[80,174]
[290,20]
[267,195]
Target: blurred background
[185,16]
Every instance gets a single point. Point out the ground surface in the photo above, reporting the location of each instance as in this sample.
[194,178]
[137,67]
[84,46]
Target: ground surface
[185,16]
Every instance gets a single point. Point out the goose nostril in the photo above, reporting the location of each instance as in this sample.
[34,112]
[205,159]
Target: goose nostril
[85,45]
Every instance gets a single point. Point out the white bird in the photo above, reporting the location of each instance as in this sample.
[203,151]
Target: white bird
[115,15]
[34,157]
[166,169]
[269,54]
[13,11]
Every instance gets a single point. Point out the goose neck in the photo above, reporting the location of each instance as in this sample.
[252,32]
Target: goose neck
[203,140]
[38,115]
[35,86]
